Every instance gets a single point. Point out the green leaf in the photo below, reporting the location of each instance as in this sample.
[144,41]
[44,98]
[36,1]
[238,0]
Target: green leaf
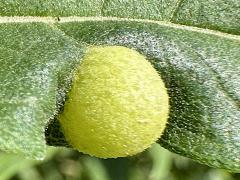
[222,15]
[199,66]
[35,59]
[12,164]
[201,72]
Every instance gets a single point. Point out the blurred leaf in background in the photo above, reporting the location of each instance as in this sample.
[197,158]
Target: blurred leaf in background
[155,163]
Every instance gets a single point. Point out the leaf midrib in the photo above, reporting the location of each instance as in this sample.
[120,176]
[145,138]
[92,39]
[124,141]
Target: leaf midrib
[55,20]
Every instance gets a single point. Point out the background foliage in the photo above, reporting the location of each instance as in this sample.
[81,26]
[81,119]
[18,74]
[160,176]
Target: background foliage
[65,164]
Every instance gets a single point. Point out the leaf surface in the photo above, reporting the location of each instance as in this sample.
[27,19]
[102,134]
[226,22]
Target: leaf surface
[202,74]
[222,15]
[33,60]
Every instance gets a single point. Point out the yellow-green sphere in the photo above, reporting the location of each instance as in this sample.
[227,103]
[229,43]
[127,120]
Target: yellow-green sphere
[117,106]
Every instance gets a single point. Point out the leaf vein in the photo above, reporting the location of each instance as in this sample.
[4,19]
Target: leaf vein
[175,11]
[54,20]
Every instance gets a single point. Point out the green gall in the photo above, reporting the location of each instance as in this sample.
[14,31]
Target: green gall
[117,106]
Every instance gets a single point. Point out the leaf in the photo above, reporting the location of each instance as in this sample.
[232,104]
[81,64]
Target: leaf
[12,164]
[201,72]
[199,66]
[220,15]
[34,58]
